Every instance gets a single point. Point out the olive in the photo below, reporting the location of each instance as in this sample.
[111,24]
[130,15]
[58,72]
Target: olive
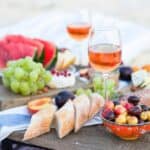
[125,73]
[133,100]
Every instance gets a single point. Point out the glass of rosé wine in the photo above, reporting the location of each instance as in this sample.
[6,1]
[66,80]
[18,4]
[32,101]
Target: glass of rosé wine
[104,52]
[79,29]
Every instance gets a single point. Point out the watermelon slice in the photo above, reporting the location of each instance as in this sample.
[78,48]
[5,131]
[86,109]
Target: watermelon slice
[50,54]
[14,51]
[27,41]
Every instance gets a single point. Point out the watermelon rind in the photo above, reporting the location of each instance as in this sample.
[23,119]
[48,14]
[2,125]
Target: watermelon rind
[40,58]
[53,62]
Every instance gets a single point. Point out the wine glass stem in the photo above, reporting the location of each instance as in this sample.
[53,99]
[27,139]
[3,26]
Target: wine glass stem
[105,78]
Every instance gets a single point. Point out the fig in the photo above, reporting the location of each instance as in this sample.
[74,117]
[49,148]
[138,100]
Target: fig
[125,73]
[135,111]
[62,97]
[133,100]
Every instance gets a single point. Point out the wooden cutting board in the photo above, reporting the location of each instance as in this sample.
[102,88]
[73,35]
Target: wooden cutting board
[8,99]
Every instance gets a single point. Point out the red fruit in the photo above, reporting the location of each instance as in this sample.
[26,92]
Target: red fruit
[24,40]
[119,109]
[128,106]
[14,51]
[50,54]
[109,105]
[105,112]
[53,71]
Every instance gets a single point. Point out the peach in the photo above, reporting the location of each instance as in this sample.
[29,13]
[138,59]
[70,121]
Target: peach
[38,104]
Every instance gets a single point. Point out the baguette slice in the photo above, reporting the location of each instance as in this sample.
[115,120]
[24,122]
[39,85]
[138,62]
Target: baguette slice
[40,122]
[82,108]
[96,102]
[65,119]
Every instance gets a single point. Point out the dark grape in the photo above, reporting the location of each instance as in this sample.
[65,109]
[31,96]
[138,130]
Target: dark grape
[133,100]
[125,73]
[135,111]
[109,115]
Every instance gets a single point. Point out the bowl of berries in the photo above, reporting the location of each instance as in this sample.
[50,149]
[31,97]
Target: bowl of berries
[127,119]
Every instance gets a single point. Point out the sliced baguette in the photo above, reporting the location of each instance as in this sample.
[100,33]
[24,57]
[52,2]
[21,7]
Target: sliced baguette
[96,102]
[65,119]
[40,122]
[82,108]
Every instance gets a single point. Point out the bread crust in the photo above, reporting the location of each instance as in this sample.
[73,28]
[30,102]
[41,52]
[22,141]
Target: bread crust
[65,119]
[40,122]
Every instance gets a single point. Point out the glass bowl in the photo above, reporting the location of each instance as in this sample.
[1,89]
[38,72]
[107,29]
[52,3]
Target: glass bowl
[126,132]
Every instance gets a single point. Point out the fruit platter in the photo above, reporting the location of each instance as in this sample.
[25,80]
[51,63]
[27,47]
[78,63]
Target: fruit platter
[38,74]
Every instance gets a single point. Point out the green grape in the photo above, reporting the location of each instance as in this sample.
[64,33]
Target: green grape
[24,88]
[97,83]
[24,76]
[15,86]
[39,65]
[11,63]
[8,72]
[33,87]
[33,76]
[88,92]
[19,73]
[40,84]
[5,82]
[47,77]
[110,84]
[80,91]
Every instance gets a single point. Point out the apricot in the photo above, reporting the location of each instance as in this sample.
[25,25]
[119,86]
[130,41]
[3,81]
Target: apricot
[38,104]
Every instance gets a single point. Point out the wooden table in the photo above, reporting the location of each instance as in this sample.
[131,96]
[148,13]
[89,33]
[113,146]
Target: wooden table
[88,138]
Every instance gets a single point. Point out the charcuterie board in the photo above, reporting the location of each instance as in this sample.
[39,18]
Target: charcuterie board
[9,99]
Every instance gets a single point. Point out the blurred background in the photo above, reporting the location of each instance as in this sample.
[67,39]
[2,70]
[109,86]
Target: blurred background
[134,11]
[12,11]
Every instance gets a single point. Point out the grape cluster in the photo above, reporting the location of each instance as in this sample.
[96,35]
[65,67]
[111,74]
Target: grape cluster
[25,77]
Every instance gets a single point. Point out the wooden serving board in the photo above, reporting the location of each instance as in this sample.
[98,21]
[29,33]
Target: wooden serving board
[8,99]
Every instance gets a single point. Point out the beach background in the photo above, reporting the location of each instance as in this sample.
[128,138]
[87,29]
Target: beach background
[137,11]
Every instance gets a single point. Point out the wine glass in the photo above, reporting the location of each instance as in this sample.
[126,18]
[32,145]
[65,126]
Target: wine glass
[104,52]
[79,28]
